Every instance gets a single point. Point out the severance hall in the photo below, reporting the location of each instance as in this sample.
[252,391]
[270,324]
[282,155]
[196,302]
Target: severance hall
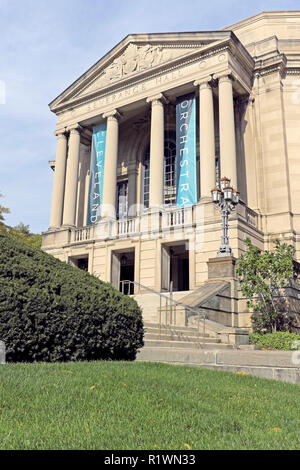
[146,134]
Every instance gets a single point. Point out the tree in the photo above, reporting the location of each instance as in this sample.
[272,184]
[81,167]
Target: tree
[264,277]
[3,210]
[21,231]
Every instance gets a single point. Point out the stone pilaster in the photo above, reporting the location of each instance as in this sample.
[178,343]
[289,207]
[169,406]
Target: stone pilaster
[59,182]
[69,216]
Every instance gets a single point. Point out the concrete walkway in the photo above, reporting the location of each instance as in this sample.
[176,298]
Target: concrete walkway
[277,365]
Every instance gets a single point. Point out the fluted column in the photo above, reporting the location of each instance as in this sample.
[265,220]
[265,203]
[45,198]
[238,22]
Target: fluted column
[110,166]
[157,140]
[59,182]
[207,138]
[69,217]
[227,128]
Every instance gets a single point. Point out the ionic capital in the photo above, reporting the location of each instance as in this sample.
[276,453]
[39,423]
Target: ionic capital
[113,115]
[75,129]
[204,82]
[157,99]
[60,134]
[224,76]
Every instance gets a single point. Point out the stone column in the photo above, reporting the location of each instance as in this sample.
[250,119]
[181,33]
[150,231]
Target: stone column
[157,141]
[110,166]
[207,138]
[59,182]
[227,128]
[69,217]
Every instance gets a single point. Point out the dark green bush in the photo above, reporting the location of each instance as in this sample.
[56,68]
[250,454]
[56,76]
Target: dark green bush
[280,340]
[53,312]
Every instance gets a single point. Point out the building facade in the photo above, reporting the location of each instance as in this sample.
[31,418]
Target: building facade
[132,201]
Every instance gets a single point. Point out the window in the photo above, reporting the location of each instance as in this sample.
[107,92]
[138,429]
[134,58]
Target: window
[122,200]
[170,183]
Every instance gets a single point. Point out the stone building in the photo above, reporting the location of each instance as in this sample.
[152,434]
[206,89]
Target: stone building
[131,203]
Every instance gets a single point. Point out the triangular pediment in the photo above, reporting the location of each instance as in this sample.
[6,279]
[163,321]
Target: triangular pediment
[134,56]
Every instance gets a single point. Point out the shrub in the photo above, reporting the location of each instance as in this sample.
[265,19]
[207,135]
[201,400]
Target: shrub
[280,340]
[53,312]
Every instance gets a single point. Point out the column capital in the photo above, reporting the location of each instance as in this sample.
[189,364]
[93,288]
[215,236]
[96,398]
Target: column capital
[75,129]
[224,76]
[112,115]
[204,82]
[157,99]
[60,134]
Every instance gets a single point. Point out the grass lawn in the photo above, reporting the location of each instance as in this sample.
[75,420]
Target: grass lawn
[132,406]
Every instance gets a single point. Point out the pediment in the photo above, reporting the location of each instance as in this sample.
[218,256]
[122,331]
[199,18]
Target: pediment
[135,59]
[134,56]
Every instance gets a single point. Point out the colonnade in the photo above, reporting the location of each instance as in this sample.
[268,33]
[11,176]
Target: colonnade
[64,197]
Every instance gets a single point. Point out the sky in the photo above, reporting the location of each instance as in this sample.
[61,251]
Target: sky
[45,46]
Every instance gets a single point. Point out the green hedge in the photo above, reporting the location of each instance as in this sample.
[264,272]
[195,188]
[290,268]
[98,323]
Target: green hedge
[53,312]
[280,340]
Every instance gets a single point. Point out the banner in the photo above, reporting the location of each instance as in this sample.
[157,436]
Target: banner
[96,174]
[186,150]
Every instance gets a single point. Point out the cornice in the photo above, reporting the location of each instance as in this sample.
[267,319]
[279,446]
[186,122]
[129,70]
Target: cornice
[271,65]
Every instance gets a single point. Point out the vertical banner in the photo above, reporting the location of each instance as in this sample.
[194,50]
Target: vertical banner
[96,174]
[186,150]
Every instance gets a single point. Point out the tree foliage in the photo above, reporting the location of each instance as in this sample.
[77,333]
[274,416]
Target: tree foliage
[53,312]
[264,276]
[21,231]
[3,210]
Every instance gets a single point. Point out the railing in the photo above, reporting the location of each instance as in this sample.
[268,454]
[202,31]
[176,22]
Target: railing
[126,226]
[177,217]
[127,288]
[82,234]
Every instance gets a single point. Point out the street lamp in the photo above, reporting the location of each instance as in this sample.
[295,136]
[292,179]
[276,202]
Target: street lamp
[226,198]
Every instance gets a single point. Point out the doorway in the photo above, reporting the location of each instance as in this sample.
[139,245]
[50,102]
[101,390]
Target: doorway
[175,267]
[123,265]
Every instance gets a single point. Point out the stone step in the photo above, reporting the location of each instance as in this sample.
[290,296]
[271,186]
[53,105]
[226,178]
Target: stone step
[175,333]
[185,344]
[174,328]
[174,337]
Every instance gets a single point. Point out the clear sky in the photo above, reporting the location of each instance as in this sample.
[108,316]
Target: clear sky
[46,45]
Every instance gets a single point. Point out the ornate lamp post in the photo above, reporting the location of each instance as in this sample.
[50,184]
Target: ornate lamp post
[226,199]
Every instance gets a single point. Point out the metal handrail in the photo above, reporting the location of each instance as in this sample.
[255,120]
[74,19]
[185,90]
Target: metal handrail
[172,301]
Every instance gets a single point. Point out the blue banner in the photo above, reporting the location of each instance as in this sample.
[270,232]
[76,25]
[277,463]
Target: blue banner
[96,174]
[186,150]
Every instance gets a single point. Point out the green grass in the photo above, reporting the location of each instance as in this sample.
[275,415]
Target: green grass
[134,406]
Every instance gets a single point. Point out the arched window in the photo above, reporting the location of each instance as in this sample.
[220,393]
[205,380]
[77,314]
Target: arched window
[170,182]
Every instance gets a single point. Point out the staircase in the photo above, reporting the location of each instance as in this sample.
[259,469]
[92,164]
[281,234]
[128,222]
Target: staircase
[163,336]
[189,321]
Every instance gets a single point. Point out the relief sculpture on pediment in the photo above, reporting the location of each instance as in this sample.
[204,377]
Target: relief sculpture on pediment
[135,59]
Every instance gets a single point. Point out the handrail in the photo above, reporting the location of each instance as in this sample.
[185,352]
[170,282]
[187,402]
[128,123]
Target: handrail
[181,304]
[171,300]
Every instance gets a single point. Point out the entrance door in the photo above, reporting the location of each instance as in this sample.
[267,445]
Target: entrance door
[175,267]
[122,269]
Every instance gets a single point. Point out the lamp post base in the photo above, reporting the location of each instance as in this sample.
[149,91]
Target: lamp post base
[224,251]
